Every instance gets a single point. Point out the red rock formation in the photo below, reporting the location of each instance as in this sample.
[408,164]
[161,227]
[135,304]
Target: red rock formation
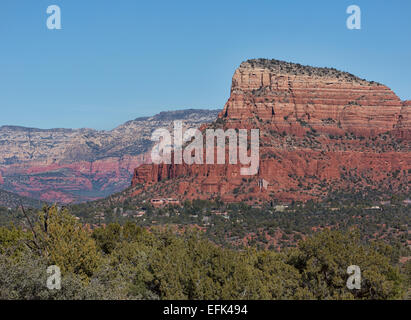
[403,127]
[66,183]
[73,165]
[284,96]
[320,130]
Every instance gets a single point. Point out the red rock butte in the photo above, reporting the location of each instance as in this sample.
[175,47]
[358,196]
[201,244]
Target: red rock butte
[321,130]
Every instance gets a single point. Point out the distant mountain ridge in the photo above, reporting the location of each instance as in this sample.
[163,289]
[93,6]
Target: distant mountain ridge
[71,165]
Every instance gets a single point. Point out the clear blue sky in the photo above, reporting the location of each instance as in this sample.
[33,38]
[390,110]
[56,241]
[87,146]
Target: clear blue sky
[117,60]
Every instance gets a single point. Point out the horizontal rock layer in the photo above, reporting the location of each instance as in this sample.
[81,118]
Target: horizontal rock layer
[321,130]
[67,165]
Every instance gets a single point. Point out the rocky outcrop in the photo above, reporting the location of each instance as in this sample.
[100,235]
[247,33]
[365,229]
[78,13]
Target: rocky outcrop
[329,101]
[404,120]
[67,165]
[321,130]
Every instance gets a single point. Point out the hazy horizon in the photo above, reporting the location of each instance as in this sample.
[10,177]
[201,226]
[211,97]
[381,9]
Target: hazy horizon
[119,124]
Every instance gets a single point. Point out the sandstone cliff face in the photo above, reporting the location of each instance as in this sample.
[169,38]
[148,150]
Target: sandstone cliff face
[324,99]
[403,126]
[321,130]
[66,165]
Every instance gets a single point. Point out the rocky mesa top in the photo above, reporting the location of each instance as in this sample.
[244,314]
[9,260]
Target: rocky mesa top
[290,68]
